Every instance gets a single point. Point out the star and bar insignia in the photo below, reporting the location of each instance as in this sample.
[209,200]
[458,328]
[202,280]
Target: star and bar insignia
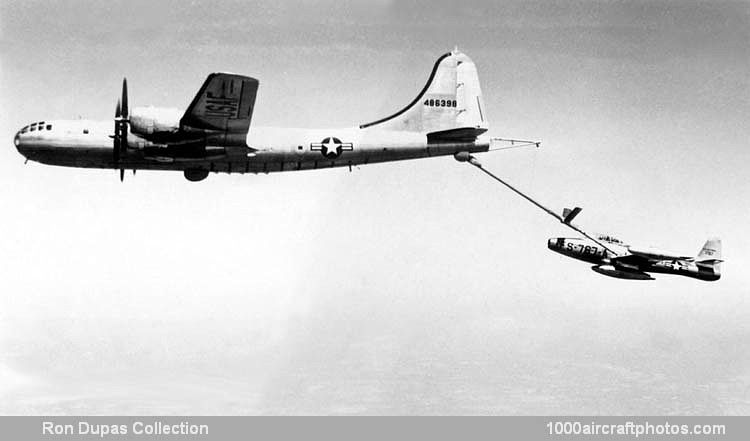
[331,147]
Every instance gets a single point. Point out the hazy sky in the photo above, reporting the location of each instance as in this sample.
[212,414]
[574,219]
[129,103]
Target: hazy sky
[418,287]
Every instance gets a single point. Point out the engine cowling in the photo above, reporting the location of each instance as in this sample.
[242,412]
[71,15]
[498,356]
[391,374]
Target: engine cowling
[195,174]
[612,271]
[149,120]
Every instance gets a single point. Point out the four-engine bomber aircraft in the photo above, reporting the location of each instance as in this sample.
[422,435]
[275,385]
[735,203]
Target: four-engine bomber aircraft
[214,133]
[612,257]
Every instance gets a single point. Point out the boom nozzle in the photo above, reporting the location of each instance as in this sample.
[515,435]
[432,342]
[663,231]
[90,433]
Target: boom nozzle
[467,157]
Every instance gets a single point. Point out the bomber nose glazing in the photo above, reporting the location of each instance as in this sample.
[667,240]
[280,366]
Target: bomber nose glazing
[19,143]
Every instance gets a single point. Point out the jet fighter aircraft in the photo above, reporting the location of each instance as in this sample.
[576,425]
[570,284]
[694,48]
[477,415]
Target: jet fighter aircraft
[616,259]
[214,134]
[612,257]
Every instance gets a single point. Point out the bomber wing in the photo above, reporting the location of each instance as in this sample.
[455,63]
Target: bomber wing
[224,103]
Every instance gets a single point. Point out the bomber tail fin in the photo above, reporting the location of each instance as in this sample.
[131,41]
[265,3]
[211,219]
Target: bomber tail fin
[450,107]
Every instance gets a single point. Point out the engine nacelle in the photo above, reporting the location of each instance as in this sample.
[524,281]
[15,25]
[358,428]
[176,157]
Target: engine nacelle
[195,174]
[146,121]
[612,271]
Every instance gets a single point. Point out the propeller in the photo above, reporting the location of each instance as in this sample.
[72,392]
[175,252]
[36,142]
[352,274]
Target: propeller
[121,128]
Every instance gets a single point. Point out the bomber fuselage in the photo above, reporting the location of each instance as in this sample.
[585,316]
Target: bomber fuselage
[85,143]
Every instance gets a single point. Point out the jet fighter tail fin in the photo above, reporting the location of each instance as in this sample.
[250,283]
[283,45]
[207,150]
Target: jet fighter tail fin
[711,252]
[449,107]
[709,260]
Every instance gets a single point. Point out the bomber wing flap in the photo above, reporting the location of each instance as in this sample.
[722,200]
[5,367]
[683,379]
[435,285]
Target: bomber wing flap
[224,103]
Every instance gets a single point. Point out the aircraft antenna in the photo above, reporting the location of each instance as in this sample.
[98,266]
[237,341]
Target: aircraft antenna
[506,144]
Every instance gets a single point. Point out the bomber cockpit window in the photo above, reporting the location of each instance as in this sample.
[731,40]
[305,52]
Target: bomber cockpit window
[33,127]
[25,129]
[49,126]
[85,131]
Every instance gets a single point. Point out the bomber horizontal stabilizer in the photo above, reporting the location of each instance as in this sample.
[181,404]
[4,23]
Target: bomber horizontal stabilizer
[462,135]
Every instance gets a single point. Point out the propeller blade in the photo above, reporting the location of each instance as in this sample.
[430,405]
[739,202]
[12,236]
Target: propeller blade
[120,141]
[125,98]
[116,138]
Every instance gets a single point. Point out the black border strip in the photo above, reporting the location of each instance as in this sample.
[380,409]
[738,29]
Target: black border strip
[416,100]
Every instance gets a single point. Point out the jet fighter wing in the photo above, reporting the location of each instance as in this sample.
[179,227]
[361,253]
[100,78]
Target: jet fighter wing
[655,255]
[224,103]
[630,261]
[643,257]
